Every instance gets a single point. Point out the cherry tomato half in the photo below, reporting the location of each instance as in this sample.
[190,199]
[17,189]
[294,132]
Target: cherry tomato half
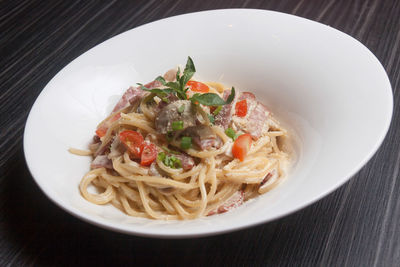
[133,141]
[149,154]
[102,129]
[198,87]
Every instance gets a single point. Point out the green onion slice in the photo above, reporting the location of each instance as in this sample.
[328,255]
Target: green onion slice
[186,142]
[177,125]
[231,133]
[217,110]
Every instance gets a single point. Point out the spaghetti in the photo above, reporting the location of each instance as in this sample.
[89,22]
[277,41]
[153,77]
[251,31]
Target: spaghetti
[177,149]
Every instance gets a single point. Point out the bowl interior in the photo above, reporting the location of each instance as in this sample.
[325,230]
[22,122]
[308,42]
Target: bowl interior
[327,89]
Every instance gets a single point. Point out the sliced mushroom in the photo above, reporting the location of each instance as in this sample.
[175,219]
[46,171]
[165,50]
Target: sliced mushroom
[186,161]
[116,148]
[171,113]
[203,136]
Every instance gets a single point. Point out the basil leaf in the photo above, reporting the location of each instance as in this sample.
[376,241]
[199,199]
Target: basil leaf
[188,73]
[211,99]
[157,91]
[173,85]
[161,80]
[208,99]
[178,74]
[231,96]
[176,88]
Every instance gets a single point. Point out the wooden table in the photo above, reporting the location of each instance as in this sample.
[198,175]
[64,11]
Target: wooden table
[357,225]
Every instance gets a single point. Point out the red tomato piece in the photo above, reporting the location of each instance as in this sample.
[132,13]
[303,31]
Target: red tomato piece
[241,108]
[241,146]
[149,154]
[133,141]
[102,130]
[198,87]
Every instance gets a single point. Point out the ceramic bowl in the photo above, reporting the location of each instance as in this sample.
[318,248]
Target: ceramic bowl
[327,88]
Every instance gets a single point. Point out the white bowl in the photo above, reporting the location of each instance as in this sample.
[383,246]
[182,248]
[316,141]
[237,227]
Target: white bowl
[328,88]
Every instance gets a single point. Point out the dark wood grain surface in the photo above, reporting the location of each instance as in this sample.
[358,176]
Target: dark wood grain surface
[357,225]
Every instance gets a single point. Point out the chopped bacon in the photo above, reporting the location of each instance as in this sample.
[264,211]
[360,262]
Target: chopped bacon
[269,178]
[186,160]
[231,203]
[266,178]
[223,118]
[246,95]
[130,97]
[116,148]
[255,114]
[203,136]
[133,95]
[96,139]
[101,161]
[256,120]
[103,150]
[207,143]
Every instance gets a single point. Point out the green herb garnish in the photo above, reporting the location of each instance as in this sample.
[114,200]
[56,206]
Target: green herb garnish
[169,160]
[186,142]
[217,110]
[211,99]
[179,88]
[161,93]
[211,118]
[172,162]
[177,125]
[231,133]
[161,156]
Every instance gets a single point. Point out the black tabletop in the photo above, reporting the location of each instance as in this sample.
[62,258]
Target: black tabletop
[357,225]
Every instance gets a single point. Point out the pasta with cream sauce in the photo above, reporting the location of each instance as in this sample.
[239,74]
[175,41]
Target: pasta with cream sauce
[177,148]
